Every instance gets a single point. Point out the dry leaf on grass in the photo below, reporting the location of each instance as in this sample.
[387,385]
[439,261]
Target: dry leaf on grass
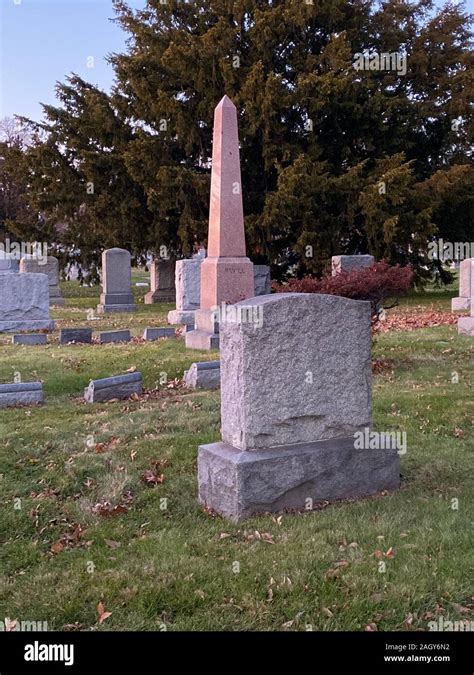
[102,614]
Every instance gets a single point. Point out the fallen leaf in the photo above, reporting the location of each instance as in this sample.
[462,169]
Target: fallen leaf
[149,477]
[103,615]
[57,547]
[328,612]
[10,625]
[112,544]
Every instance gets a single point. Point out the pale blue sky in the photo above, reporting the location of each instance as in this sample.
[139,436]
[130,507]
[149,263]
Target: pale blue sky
[42,41]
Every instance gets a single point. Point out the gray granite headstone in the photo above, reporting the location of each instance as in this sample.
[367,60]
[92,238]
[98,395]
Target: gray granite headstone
[30,339]
[75,336]
[116,387]
[188,291]
[158,333]
[296,387]
[50,267]
[25,303]
[114,336]
[349,263]
[203,375]
[116,293]
[162,281]
[21,393]
[8,264]
[262,280]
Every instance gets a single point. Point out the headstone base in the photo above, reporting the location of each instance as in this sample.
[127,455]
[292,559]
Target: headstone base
[154,297]
[466,325]
[237,484]
[181,316]
[206,333]
[110,303]
[15,326]
[457,304]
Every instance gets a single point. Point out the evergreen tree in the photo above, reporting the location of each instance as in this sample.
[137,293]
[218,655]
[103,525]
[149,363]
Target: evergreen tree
[334,159]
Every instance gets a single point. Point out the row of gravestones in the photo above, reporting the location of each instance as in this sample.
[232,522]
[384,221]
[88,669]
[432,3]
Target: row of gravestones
[29,296]
[14,394]
[84,336]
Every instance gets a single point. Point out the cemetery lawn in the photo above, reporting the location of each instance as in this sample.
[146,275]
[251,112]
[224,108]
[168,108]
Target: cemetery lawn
[80,525]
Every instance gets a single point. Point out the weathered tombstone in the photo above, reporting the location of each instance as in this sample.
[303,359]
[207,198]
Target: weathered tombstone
[30,339]
[49,266]
[75,336]
[466,323]
[349,263]
[203,375]
[188,291]
[117,387]
[158,333]
[227,273]
[465,294]
[262,280]
[114,336]
[162,282]
[20,393]
[116,293]
[295,389]
[8,264]
[25,303]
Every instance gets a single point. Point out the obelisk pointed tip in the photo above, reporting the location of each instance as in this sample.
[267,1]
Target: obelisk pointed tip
[225,102]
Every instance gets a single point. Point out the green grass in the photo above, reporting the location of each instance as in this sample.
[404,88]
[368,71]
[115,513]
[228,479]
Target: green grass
[170,564]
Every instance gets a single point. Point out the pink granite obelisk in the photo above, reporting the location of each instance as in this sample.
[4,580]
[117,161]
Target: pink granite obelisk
[227,273]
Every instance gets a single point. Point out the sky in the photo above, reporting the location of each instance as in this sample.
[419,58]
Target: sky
[43,41]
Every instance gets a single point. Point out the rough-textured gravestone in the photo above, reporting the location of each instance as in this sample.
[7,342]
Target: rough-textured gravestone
[203,375]
[188,291]
[162,281]
[295,388]
[25,303]
[114,336]
[464,299]
[262,280]
[226,274]
[21,393]
[466,323]
[8,264]
[49,266]
[158,333]
[349,263]
[75,335]
[30,339]
[117,387]
[116,293]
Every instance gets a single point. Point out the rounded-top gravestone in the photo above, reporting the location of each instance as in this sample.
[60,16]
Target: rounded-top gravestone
[116,293]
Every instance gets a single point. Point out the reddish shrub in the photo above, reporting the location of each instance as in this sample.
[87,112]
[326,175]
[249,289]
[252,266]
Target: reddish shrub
[378,284]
